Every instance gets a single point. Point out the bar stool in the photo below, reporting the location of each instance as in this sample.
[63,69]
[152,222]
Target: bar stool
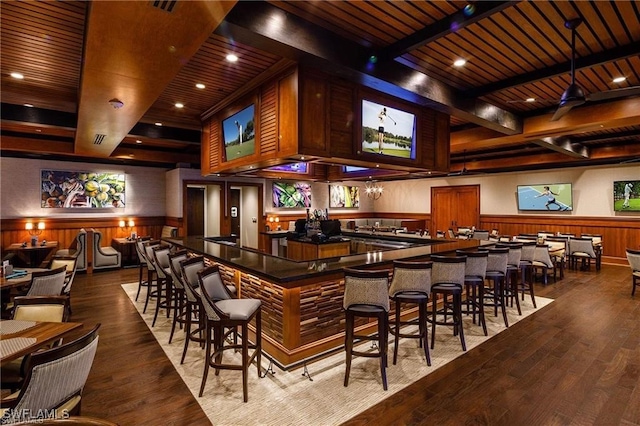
[411,284]
[193,304]
[151,271]
[497,274]
[447,278]
[526,269]
[513,267]
[142,262]
[179,305]
[474,274]
[366,296]
[222,311]
[164,280]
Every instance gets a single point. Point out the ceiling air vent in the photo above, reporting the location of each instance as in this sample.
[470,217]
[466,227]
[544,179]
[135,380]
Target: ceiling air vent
[98,138]
[166,5]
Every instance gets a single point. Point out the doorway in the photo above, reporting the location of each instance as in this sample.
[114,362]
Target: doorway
[454,206]
[245,207]
[202,209]
[195,211]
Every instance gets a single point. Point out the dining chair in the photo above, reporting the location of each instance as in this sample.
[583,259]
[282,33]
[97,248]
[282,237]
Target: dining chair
[543,260]
[32,308]
[104,257]
[411,285]
[48,282]
[54,381]
[71,263]
[366,295]
[581,249]
[633,256]
[78,248]
[223,315]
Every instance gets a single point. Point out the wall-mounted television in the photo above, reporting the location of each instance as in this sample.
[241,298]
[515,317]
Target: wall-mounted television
[63,189]
[352,169]
[626,196]
[239,134]
[545,197]
[344,196]
[388,131]
[289,168]
[291,195]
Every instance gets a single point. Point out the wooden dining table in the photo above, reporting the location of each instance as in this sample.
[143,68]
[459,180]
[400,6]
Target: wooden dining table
[18,281]
[19,338]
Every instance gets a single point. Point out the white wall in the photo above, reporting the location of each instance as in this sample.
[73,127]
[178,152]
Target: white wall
[592,190]
[212,210]
[249,209]
[20,189]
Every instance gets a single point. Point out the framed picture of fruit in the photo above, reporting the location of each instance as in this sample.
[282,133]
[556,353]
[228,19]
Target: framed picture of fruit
[87,190]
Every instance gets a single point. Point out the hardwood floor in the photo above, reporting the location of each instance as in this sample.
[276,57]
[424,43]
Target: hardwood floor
[577,361]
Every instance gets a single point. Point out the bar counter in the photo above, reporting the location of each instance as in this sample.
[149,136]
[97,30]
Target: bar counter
[302,313]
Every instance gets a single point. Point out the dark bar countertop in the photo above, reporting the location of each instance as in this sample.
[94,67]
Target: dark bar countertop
[285,272]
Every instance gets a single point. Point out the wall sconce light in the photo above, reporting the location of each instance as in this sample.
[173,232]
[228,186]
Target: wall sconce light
[128,225]
[274,221]
[373,190]
[34,231]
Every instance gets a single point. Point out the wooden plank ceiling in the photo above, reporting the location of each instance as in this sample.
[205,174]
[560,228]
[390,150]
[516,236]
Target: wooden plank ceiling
[76,55]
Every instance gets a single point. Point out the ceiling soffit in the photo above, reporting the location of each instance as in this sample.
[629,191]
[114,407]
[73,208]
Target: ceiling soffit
[132,52]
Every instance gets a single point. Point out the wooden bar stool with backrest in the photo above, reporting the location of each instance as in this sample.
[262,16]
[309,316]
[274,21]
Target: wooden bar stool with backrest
[152,282]
[165,298]
[411,284]
[142,262]
[447,278]
[633,256]
[366,295]
[223,312]
[193,303]
[179,306]
[526,269]
[497,274]
[474,275]
[513,269]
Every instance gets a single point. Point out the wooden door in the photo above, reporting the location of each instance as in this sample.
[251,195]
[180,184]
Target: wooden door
[454,206]
[195,211]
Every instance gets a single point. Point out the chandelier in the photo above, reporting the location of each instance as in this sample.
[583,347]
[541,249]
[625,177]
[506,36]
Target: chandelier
[373,190]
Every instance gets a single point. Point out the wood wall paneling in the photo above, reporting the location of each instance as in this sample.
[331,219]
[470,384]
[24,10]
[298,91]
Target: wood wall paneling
[268,143]
[314,108]
[288,118]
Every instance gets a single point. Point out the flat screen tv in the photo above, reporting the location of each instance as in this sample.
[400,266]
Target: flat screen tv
[545,197]
[63,189]
[626,196]
[388,131]
[291,195]
[238,134]
[289,168]
[352,169]
[341,196]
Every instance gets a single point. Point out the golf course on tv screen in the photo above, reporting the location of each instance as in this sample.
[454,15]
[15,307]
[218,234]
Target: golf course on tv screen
[626,196]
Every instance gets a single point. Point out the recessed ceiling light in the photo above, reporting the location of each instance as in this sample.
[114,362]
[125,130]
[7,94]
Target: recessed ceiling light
[17,75]
[232,58]
[159,124]
[179,105]
[29,105]
[138,141]
[302,158]
[619,79]
[531,99]
[200,86]
[459,62]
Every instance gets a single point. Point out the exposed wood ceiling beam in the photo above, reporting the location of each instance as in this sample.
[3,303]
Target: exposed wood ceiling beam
[271,29]
[545,73]
[132,52]
[442,28]
[564,145]
[621,113]
[550,160]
